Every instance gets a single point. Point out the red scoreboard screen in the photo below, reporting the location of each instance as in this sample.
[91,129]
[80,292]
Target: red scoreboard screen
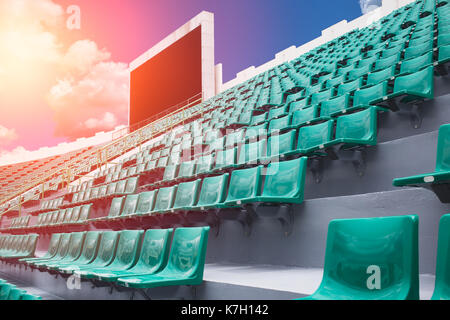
[169,78]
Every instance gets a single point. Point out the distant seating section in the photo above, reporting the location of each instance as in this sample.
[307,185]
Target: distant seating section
[355,267]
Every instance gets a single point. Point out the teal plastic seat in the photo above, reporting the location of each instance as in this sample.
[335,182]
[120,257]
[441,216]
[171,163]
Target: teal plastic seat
[170,172]
[277,112]
[414,86]
[442,280]
[313,138]
[418,50]
[280,145]
[16,294]
[298,105]
[186,262]
[319,97]
[88,254]
[234,138]
[335,81]
[73,252]
[244,186]
[204,165]
[359,128]
[370,95]
[441,174]
[258,119]
[164,199]
[126,256]
[63,248]
[27,296]
[417,63]
[213,192]
[51,252]
[304,116]
[387,62]
[349,87]
[152,258]
[252,133]
[252,152]
[226,159]
[105,254]
[279,124]
[380,76]
[186,196]
[359,73]
[186,170]
[371,259]
[5,289]
[334,107]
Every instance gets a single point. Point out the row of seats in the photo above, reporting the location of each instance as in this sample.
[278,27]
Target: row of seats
[378,259]
[10,291]
[129,258]
[279,182]
[14,247]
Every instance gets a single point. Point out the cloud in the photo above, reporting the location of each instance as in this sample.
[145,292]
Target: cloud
[98,101]
[7,136]
[76,84]
[369,5]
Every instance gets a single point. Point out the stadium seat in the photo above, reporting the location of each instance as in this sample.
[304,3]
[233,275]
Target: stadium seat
[51,252]
[356,269]
[442,280]
[125,257]
[437,181]
[152,258]
[105,254]
[185,265]
[63,247]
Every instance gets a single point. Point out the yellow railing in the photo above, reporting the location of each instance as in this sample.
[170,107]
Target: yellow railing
[122,140]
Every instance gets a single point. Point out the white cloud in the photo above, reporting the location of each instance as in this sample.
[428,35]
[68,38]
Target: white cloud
[95,102]
[78,82]
[369,5]
[7,136]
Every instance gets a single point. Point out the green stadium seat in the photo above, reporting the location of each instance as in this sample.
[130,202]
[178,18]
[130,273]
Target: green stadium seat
[417,63]
[186,171]
[442,280]
[126,256]
[105,254]
[73,252]
[380,76]
[62,249]
[88,254]
[5,290]
[418,50]
[334,107]
[437,181]
[152,258]
[185,265]
[164,199]
[278,146]
[186,196]
[225,160]
[51,252]
[356,269]
[254,132]
[279,125]
[251,153]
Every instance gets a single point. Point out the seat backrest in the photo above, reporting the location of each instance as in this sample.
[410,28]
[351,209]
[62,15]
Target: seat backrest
[116,207]
[225,158]
[170,172]
[5,290]
[360,127]
[85,212]
[186,169]
[53,245]
[280,144]
[315,135]
[442,280]
[213,190]
[367,96]
[334,105]
[146,201]
[63,247]
[155,250]
[244,184]
[253,151]
[130,204]
[127,248]
[131,185]
[75,214]
[68,216]
[107,248]
[285,180]
[386,247]
[187,194]
[164,199]
[443,149]
[420,83]
[204,164]
[90,246]
[188,251]
[75,245]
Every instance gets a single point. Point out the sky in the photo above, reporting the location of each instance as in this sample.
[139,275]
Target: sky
[63,72]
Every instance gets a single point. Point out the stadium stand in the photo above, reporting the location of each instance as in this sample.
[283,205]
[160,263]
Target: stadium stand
[313,143]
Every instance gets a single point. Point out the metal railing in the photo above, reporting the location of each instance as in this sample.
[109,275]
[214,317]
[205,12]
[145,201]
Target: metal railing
[122,140]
